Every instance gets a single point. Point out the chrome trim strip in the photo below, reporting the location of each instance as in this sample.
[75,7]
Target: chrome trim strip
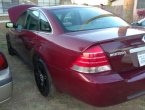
[136,95]
[6,92]
[139,77]
[43,32]
[134,50]
[5,100]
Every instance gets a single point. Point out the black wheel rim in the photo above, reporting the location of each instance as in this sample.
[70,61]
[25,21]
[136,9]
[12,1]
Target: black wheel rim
[42,79]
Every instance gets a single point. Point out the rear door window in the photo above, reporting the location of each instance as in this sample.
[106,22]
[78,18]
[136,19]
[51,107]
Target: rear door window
[44,24]
[33,20]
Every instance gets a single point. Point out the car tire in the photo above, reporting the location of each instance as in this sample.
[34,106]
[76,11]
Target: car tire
[11,51]
[43,78]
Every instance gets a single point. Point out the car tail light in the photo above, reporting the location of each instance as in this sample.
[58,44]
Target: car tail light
[3,62]
[92,60]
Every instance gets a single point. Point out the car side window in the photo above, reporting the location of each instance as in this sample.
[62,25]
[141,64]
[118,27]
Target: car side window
[21,20]
[143,23]
[32,20]
[68,18]
[44,24]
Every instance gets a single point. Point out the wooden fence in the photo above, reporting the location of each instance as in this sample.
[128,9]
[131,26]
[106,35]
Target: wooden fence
[117,10]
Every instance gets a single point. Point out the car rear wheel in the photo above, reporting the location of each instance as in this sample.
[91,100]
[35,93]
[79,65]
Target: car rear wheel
[9,46]
[42,78]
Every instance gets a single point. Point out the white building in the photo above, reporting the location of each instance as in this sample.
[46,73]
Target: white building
[90,2]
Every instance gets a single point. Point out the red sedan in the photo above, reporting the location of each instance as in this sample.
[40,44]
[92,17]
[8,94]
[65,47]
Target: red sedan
[83,51]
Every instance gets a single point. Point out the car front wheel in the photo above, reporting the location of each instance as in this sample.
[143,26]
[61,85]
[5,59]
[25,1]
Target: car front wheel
[9,46]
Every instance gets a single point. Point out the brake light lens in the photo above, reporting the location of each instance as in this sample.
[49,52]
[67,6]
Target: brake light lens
[3,62]
[92,60]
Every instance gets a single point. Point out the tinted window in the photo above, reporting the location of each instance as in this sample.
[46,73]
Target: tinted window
[22,19]
[33,20]
[44,25]
[86,18]
[143,23]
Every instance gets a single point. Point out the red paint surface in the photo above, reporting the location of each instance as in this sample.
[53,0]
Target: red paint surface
[59,50]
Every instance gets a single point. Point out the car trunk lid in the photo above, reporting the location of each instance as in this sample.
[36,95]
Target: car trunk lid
[126,53]
[124,46]
[16,11]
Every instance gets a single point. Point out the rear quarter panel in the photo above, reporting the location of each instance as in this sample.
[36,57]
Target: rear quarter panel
[59,52]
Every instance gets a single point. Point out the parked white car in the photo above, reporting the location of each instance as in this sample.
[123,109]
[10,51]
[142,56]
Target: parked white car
[139,23]
[5,80]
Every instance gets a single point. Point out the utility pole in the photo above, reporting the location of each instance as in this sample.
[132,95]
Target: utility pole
[128,8]
[62,2]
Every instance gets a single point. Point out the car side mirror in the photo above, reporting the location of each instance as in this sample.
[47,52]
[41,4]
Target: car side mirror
[135,24]
[10,25]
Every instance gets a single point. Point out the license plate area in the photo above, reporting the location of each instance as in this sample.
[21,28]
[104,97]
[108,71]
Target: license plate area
[138,56]
[141,58]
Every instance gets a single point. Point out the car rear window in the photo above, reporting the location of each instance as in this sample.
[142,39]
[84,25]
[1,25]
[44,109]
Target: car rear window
[86,18]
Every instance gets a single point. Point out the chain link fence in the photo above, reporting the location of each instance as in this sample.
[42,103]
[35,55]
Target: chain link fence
[5,5]
[117,10]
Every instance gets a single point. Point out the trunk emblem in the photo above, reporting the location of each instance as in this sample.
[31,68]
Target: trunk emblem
[117,53]
[143,38]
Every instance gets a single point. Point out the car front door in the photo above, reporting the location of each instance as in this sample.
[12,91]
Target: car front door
[16,31]
[27,37]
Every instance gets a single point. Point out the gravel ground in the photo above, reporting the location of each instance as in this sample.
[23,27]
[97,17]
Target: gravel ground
[27,97]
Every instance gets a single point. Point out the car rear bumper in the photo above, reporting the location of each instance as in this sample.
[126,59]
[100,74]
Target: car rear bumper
[103,89]
[5,85]
[5,92]
[111,89]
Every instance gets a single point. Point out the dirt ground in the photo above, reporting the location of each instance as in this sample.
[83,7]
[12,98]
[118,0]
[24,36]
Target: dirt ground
[27,97]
